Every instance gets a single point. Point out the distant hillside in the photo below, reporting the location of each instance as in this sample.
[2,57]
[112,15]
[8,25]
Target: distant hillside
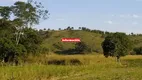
[92,39]
[137,40]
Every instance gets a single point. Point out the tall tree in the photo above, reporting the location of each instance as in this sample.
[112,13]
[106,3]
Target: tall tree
[29,12]
[24,15]
[5,12]
[116,45]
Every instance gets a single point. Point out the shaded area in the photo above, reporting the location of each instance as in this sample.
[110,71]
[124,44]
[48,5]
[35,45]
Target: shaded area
[64,62]
[69,52]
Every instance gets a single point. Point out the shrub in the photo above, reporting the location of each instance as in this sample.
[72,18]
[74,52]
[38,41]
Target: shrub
[81,47]
[138,50]
[43,50]
[75,62]
[58,46]
[57,62]
[64,62]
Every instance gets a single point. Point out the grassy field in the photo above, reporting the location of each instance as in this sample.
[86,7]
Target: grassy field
[87,67]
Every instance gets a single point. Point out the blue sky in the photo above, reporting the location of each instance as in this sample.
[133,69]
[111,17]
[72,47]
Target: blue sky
[106,15]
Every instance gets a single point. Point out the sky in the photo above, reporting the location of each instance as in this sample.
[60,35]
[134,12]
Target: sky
[106,15]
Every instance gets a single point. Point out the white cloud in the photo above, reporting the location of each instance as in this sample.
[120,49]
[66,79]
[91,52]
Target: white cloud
[109,22]
[129,16]
[113,15]
[135,16]
[135,23]
[125,15]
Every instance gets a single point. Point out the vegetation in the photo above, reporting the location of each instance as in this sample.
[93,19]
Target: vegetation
[80,47]
[25,14]
[91,40]
[96,67]
[40,54]
[138,50]
[116,44]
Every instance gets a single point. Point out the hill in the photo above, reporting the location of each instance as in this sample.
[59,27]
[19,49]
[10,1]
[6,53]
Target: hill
[92,39]
[137,40]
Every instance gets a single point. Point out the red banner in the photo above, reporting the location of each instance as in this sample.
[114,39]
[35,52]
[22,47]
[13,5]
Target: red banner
[70,40]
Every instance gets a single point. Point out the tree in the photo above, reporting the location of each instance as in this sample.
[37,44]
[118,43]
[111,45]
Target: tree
[68,28]
[29,12]
[80,47]
[31,40]
[59,28]
[5,12]
[132,33]
[48,29]
[8,50]
[24,15]
[44,29]
[72,28]
[138,50]
[79,28]
[83,28]
[116,45]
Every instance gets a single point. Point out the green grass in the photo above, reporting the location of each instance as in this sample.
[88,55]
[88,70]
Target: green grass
[137,40]
[95,67]
[93,40]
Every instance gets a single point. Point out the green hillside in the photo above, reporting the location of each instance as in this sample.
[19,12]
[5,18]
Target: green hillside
[137,40]
[93,40]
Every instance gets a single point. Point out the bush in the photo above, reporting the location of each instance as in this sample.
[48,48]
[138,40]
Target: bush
[138,50]
[57,62]
[9,52]
[58,46]
[75,62]
[42,50]
[81,47]
[64,62]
